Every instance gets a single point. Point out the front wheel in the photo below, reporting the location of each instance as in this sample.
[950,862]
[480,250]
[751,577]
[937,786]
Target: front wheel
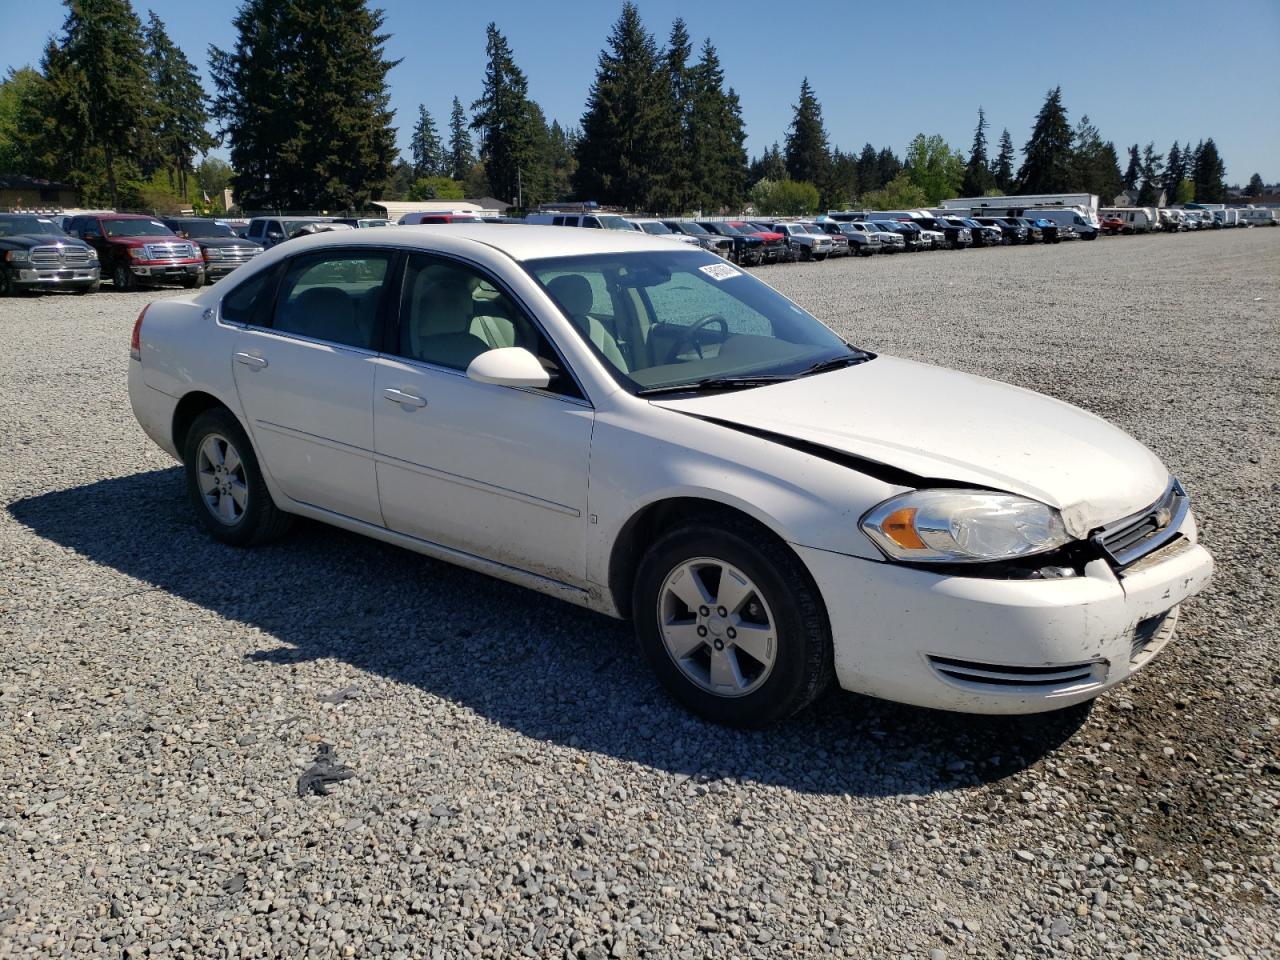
[190,283]
[225,483]
[124,279]
[732,623]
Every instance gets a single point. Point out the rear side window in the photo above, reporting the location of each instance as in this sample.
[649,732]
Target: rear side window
[242,304]
[333,296]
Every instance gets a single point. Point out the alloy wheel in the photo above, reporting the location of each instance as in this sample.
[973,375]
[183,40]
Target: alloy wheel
[221,476]
[717,627]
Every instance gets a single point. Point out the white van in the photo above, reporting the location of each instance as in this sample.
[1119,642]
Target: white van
[1069,218]
[595,221]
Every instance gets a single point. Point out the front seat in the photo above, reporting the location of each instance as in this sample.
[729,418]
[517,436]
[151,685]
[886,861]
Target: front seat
[573,293]
[440,322]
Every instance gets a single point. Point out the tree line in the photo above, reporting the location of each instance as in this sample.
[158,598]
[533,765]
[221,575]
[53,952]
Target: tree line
[301,100]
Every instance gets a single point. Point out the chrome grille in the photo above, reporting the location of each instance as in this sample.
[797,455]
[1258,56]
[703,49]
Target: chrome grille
[52,258]
[169,251]
[237,254]
[1133,537]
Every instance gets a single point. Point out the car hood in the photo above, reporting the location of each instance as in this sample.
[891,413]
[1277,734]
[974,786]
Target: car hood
[147,238]
[222,242]
[947,425]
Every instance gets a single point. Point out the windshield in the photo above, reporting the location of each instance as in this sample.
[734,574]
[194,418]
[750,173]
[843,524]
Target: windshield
[666,318]
[203,228]
[615,223]
[885,226]
[814,228]
[16,226]
[727,230]
[688,227]
[653,226]
[136,228]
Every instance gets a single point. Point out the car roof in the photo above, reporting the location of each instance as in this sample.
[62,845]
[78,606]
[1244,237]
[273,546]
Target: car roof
[518,241]
[120,216]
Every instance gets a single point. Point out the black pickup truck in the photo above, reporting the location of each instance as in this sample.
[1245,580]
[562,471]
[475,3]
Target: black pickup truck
[35,254]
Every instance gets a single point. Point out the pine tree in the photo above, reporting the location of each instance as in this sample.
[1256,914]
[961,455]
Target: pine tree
[1175,170]
[627,139]
[560,161]
[1209,174]
[1133,172]
[1046,165]
[460,158]
[303,98]
[426,148]
[512,129]
[716,137]
[180,113]
[888,166]
[807,155]
[977,172]
[868,170]
[768,166]
[844,186]
[1256,187]
[1092,167]
[1152,176]
[1002,169]
[106,94]
[1110,181]
[680,80]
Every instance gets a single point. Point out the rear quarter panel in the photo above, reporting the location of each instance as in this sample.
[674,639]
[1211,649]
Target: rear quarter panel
[185,349]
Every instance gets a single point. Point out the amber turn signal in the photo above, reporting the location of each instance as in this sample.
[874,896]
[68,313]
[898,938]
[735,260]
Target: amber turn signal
[900,526]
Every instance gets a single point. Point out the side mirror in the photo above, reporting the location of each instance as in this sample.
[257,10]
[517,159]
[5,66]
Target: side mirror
[508,367]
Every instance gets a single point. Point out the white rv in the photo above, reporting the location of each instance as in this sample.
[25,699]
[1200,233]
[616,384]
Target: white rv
[1136,219]
[1015,206]
[1259,216]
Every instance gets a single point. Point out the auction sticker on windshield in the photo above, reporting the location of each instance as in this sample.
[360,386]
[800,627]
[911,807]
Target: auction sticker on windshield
[720,271]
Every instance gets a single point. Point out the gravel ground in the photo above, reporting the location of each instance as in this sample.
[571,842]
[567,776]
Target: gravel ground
[522,788]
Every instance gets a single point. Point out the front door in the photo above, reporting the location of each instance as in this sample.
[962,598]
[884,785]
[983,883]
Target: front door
[304,370]
[493,471]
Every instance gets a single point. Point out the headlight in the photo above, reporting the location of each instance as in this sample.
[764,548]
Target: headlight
[18,256]
[93,254]
[963,526]
[212,253]
[138,253]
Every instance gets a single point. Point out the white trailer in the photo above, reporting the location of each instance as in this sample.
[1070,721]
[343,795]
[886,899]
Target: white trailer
[1085,203]
[1260,216]
[1136,219]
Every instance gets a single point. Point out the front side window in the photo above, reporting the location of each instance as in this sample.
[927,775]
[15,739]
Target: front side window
[662,319]
[450,314]
[334,296]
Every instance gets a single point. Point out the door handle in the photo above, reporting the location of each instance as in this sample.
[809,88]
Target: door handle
[402,398]
[249,360]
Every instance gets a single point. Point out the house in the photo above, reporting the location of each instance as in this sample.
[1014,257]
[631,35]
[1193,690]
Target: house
[1129,198]
[18,192]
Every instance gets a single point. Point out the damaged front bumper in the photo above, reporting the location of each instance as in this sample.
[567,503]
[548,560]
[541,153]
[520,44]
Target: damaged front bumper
[978,645]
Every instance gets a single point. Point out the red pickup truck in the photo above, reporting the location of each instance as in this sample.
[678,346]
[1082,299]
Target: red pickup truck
[138,250]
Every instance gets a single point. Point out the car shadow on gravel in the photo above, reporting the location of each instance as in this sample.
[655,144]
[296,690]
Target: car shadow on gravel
[538,666]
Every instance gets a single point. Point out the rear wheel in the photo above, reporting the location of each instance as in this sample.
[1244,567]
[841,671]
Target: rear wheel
[732,623]
[225,483]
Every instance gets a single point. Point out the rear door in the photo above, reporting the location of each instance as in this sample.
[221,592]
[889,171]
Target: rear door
[304,369]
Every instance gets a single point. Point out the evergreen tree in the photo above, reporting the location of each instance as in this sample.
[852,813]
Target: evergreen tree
[1093,167]
[180,113]
[460,158]
[1046,164]
[868,170]
[844,186]
[303,99]
[22,101]
[1209,174]
[681,165]
[717,157]
[888,166]
[977,172]
[1133,172]
[1002,170]
[561,144]
[426,148]
[1256,187]
[1110,181]
[768,166]
[628,140]
[1175,170]
[807,155]
[103,95]
[1152,176]
[512,129]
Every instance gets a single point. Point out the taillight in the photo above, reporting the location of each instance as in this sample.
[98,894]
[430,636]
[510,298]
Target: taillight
[135,341]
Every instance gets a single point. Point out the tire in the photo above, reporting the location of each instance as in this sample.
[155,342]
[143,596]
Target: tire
[6,287]
[820,257]
[190,283]
[91,288]
[778,591]
[239,521]
[124,279]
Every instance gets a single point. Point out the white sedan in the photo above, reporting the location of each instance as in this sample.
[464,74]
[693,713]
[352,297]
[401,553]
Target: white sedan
[650,432]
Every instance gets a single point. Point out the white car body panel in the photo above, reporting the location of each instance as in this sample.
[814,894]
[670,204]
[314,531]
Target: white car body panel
[540,489]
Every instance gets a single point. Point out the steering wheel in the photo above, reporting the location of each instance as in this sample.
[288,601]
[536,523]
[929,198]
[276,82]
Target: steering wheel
[690,335]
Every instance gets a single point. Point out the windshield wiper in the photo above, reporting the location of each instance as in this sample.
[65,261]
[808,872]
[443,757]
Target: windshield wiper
[717,383]
[835,363]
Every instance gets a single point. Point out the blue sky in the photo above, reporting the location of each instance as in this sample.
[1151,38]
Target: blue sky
[1174,70]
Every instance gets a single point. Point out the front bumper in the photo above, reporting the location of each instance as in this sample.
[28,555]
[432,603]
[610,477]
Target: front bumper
[160,272]
[1001,646]
[37,278]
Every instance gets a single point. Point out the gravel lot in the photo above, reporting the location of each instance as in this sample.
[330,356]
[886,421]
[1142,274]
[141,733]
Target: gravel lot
[522,788]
